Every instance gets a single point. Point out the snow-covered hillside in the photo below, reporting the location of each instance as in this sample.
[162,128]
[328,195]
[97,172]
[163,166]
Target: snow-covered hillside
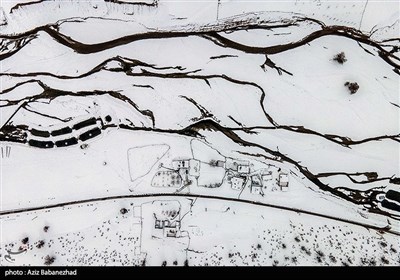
[182,125]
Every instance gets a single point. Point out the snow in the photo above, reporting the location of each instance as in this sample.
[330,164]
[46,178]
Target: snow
[143,159]
[21,92]
[378,16]
[332,105]
[197,138]
[75,233]
[272,36]
[204,152]
[382,156]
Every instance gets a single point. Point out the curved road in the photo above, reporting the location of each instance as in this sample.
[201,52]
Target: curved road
[386,229]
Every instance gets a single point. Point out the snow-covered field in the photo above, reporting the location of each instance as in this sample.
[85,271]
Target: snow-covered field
[98,234]
[200,132]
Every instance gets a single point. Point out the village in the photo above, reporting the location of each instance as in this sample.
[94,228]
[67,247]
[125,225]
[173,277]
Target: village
[237,175]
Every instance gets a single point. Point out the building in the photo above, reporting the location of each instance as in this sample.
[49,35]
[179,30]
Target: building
[184,173]
[237,183]
[283,181]
[192,165]
[231,166]
[234,164]
[159,224]
[256,185]
[180,163]
[255,181]
[167,219]
[243,169]
[170,228]
[266,179]
[256,190]
[171,232]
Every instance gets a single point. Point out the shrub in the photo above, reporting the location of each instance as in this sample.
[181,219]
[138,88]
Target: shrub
[320,253]
[382,244]
[353,87]
[40,244]
[304,249]
[384,260]
[49,260]
[340,58]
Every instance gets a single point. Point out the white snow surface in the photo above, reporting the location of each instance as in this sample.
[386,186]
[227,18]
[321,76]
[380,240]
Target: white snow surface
[230,114]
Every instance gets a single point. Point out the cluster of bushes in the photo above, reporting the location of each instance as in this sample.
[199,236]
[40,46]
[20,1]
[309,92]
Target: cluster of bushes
[341,59]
